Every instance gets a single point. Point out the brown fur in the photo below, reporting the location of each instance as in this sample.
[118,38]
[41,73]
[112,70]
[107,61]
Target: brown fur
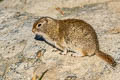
[71,34]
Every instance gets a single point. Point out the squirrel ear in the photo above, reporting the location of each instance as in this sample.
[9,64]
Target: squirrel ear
[49,20]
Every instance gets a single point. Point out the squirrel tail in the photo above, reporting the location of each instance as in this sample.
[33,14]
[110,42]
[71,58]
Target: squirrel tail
[106,58]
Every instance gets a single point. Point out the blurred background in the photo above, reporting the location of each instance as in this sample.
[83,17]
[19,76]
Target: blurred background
[47,7]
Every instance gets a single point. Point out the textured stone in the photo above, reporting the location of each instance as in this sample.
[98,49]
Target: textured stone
[19,50]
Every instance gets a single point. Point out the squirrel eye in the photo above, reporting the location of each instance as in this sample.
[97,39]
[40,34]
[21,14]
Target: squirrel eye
[39,25]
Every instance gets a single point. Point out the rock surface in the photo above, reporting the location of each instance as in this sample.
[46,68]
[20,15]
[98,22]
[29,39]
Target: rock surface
[21,56]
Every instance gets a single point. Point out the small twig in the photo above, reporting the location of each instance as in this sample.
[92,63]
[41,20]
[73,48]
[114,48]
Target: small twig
[40,53]
[34,76]
[43,75]
[59,10]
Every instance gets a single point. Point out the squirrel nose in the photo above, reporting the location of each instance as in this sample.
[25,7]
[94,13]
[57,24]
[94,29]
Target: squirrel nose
[33,30]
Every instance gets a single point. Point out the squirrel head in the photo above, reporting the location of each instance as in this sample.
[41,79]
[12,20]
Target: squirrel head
[41,24]
[45,26]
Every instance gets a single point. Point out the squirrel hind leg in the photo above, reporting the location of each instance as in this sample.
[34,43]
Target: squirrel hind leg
[79,52]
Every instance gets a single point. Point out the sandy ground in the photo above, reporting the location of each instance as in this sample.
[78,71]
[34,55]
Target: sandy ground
[21,56]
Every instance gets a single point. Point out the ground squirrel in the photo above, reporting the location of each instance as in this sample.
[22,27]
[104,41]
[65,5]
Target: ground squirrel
[71,34]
